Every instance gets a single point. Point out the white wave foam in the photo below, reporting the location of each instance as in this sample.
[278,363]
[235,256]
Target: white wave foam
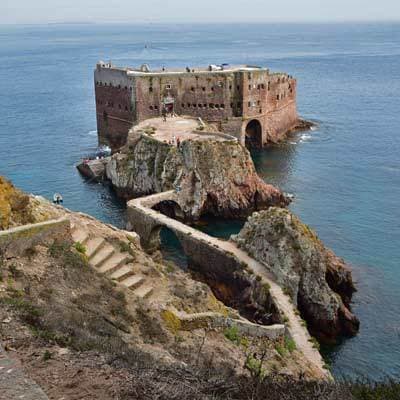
[92,133]
[305,137]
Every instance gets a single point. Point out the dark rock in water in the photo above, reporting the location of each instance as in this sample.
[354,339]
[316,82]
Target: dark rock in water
[319,283]
[94,169]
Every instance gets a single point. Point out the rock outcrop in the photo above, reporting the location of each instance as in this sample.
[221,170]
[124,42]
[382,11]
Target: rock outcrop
[318,282]
[18,208]
[214,177]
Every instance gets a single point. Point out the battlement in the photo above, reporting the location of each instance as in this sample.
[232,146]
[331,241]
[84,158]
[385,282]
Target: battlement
[246,101]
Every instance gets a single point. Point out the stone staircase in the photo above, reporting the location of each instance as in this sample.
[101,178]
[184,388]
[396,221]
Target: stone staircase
[110,261]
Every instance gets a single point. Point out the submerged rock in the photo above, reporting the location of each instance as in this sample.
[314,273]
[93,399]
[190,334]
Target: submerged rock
[213,176]
[319,283]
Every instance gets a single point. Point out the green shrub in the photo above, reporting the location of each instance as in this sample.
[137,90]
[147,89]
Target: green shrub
[290,344]
[232,334]
[80,248]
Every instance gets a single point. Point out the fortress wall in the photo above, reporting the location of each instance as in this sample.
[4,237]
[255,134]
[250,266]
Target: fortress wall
[205,95]
[115,105]
[279,122]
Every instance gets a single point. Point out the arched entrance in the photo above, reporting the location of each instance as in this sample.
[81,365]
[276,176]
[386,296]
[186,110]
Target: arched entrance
[253,134]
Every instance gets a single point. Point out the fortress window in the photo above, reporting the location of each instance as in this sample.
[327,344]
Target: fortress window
[183,105]
[231,105]
[192,88]
[203,88]
[260,111]
[249,87]
[126,87]
[101,83]
[151,107]
[200,105]
[258,102]
[277,97]
[262,86]
[249,76]
[194,105]
[188,104]
[119,106]
[150,89]
[249,104]
[156,107]
[212,88]
[222,105]
[230,87]
[126,108]
[279,80]
[238,87]
[130,88]
[119,86]
[217,106]
[269,85]
[258,87]
[168,86]
[211,105]
[105,83]
[205,105]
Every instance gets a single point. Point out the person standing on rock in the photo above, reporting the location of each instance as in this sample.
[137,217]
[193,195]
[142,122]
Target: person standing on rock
[164,114]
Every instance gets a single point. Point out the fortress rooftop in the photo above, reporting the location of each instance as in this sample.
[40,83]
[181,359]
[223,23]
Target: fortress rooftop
[145,70]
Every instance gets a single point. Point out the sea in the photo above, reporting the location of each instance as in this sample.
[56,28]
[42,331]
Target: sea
[344,175]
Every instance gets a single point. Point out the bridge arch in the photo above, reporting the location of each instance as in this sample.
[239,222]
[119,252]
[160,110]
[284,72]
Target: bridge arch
[170,208]
[253,134]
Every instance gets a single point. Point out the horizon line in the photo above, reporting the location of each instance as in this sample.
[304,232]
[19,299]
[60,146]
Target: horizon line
[204,22]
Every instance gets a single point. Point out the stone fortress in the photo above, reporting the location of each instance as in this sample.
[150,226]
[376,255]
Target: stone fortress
[248,102]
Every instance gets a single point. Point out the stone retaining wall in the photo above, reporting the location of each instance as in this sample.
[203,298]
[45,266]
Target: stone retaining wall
[210,320]
[15,241]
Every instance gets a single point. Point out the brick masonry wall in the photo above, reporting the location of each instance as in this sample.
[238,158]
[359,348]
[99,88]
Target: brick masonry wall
[115,105]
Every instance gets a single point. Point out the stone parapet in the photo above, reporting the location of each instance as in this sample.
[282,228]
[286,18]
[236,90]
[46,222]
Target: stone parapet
[15,241]
[177,321]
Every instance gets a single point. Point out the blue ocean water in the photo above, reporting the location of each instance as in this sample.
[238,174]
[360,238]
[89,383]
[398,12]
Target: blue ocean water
[345,175]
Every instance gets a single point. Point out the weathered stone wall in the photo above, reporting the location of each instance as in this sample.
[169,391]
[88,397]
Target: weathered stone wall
[115,105]
[212,320]
[14,241]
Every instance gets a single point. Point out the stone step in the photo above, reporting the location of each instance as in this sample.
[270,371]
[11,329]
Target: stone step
[80,235]
[133,282]
[144,292]
[102,255]
[112,263]
[93,245]
[122,272]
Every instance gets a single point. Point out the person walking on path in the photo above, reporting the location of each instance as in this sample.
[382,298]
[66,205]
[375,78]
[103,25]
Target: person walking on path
[164,114]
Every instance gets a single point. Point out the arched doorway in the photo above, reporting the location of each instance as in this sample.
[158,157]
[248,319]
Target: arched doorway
[253,134]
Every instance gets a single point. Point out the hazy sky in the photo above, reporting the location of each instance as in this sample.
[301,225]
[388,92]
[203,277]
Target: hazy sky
[43,11]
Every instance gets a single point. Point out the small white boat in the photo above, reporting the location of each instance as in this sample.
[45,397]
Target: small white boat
[57,198]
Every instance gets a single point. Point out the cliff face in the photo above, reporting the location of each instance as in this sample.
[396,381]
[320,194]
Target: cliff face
[319,283]
[215,177]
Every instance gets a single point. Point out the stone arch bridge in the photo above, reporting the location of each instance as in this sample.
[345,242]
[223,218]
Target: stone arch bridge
[219,257]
